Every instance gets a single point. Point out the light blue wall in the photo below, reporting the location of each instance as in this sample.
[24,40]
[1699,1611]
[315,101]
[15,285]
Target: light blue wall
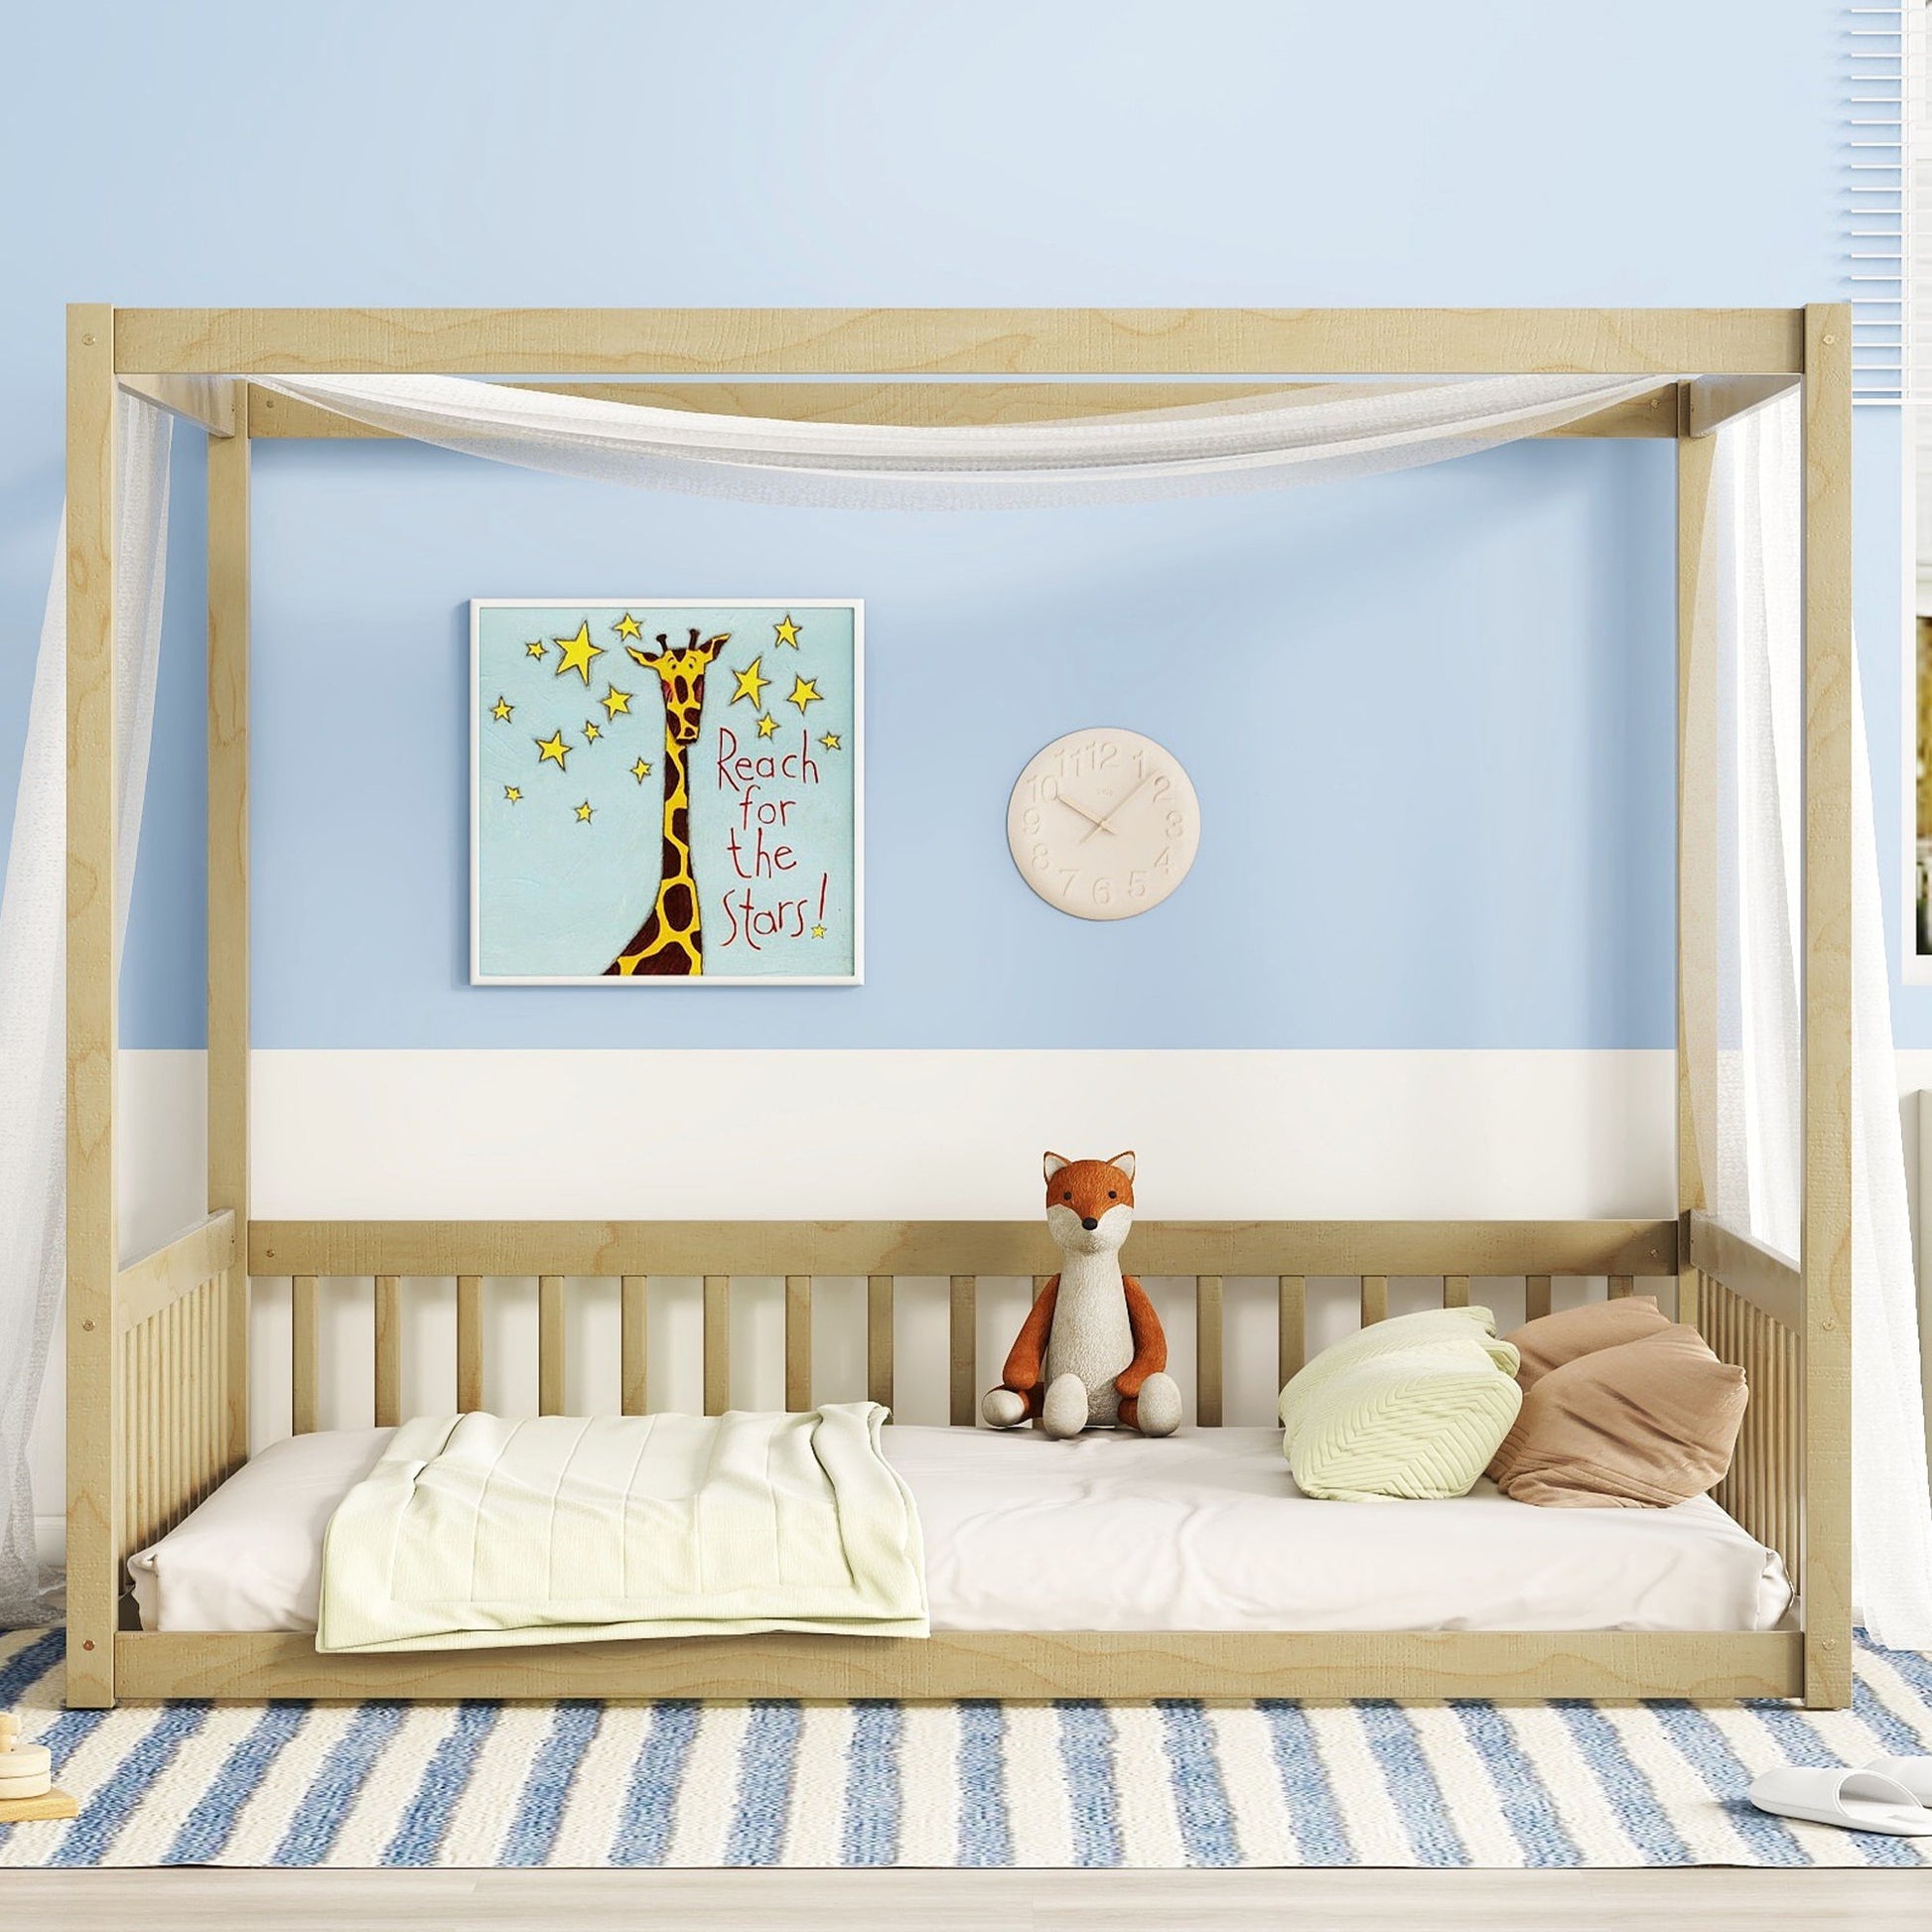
[1429,715]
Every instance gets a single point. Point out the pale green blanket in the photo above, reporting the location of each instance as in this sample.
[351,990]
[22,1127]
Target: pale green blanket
[476,1531]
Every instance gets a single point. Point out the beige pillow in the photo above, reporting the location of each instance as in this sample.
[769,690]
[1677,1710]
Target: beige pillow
[1553,1339]
[1639,1426]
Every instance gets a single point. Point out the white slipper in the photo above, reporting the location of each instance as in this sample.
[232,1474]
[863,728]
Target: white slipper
[1859,1801]
[1914,1773]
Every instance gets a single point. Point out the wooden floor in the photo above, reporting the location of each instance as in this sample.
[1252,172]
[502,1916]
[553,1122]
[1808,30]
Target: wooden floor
[1703,1900]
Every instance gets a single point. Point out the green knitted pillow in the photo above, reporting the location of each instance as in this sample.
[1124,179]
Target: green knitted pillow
[1400,1331]
[1413,1422]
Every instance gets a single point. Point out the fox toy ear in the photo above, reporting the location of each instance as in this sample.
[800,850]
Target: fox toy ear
[1053,1163]
[1125,1163]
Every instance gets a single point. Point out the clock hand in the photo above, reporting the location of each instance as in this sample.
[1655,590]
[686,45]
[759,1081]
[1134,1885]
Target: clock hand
[1101,824]
[1098,824]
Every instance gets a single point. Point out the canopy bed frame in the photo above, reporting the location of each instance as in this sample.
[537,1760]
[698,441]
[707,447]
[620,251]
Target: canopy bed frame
[158,1351]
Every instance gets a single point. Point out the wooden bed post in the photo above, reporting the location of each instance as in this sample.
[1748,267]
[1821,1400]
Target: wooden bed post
[94,1510]
[1826,1562]
[1697,848]
[227,889]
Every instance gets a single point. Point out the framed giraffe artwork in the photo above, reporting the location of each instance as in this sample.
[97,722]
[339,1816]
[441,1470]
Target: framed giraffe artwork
[666,793]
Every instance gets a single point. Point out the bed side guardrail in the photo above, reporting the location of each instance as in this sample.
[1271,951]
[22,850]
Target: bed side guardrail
[393,1258]
[172,1337]
[1748,1304]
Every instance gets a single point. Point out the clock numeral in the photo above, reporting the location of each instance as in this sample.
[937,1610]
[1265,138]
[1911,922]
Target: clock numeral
[1161,786]
[1103,889]
[1136,884]
[1177,825]
[1042,791]
[1096,754]
[1163,862]
[1070,873]
[1042,859]
[1030,819]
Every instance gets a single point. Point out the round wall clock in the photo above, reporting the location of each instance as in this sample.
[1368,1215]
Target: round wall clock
[1103,823]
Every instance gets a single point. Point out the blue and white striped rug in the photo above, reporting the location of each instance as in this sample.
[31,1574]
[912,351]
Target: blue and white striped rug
[1165,1784]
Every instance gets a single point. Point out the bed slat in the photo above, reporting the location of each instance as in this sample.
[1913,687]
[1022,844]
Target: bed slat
[1455,1291]
[963,1305]
[202,1370]
[1619,1287]
[168,1383]
[1207,1352]
[1536,1297]
[716,1344]
[388,1353]
[1290,1348]
[468,1344]
[301,1355]
[798,1342]
[1375,1300]
[550,1344]
[633,1346]
[879,1339]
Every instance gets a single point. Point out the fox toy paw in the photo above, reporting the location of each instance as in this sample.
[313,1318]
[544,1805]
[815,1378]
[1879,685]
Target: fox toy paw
[1003,1407]
[1156,1409]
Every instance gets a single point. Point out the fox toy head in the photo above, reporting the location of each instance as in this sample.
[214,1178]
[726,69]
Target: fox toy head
[1089,1203]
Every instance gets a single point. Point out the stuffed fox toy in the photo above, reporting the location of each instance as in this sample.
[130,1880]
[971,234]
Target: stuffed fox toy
[1091,1354]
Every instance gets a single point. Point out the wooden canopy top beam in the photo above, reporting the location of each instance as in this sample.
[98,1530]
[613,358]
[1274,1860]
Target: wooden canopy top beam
[960,342]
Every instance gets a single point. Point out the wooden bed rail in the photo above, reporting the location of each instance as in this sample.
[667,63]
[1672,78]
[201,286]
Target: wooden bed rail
[396,1258]
[171,1337]
[1749,1304]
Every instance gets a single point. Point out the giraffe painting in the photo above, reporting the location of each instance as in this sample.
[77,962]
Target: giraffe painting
[670,942]
[711,811]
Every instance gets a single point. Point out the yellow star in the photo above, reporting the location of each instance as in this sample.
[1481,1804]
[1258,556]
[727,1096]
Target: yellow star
[553,749]
[830,741]
[767,724]
[533,650]
[513,793]
[578,651]
[803,692]
[640,772]
[501,710]
[787,632]
[818,932]
[614,701]
[593,731]
[751,685]
[583,812]
[627,627]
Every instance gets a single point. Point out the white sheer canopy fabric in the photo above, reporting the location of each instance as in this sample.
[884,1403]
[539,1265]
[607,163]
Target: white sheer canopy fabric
[1752,567]
[33,957]
[1314,435]
[1310,435]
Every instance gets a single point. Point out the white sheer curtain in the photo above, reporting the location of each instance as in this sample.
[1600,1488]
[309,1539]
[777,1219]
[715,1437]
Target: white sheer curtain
[1311,435]
[1753,568]
[33,954]
[1314,435]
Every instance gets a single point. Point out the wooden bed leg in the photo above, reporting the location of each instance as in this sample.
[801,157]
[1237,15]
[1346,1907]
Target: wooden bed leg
[1826,1559]
[1696,845]
[94,1512]
[228,473]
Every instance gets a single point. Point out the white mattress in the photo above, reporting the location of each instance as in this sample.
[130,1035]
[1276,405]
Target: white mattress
[1205,1531]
